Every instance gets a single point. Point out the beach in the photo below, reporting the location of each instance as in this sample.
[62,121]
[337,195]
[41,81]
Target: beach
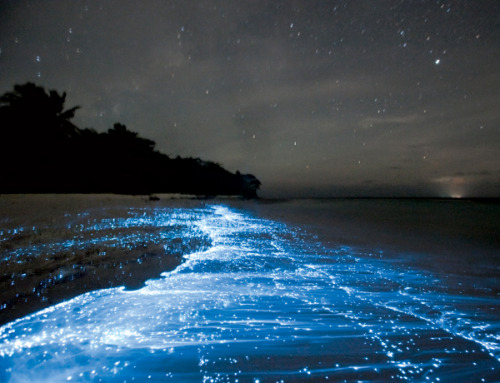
[117,288]
[56,247]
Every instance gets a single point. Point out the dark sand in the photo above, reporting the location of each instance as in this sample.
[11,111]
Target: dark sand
[58,260]
[267,302]
[51,252]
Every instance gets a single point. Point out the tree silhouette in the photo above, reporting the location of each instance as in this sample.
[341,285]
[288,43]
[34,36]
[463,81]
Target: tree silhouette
[129,142]
[43,151]
[32,110]
[36,132]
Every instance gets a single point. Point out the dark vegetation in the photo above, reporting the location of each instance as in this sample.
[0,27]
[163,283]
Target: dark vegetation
[42,151]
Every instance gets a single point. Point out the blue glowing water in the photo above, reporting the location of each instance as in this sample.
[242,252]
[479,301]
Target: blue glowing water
[265,303]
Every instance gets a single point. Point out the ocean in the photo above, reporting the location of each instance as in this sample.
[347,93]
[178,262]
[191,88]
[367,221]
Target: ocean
[121,289]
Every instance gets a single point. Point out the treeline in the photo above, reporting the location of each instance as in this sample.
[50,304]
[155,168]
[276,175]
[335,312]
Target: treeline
[42,151]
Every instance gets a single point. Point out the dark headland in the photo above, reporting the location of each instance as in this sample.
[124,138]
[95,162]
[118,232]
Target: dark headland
[43,151]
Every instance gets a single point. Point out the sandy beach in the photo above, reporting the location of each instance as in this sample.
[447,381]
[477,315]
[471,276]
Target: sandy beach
[55,247]
[175,289]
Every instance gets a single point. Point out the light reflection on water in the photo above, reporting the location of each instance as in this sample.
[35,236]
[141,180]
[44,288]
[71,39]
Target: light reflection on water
[263,303]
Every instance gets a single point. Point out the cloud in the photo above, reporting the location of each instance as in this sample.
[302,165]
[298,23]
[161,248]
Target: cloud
[390,121]
[293,92]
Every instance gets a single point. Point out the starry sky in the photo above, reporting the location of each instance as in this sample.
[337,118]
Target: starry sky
[315,98]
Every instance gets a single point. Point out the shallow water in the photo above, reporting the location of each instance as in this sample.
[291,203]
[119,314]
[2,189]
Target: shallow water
[265,303]
[67,251]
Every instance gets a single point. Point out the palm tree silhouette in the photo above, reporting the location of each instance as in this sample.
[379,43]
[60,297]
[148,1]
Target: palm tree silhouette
[30,109]
[42,151]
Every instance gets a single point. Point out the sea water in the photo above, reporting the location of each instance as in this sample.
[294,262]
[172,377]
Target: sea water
[265,302]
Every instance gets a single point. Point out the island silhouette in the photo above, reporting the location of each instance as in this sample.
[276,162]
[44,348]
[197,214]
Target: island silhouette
[43,151]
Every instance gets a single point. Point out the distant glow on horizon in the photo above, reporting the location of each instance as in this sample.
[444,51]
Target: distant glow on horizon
[452,186]
[313,98]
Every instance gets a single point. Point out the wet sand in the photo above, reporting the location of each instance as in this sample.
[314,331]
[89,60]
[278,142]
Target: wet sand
[282,299]
[50,252]
[57,247]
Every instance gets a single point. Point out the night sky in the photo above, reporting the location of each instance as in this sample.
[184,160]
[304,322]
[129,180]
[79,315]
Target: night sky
[315,98]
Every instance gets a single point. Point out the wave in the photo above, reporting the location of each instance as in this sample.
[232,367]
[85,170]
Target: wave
[45,263]
[264,302]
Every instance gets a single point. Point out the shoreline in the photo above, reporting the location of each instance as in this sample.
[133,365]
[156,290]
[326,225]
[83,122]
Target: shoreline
[46,286]
[67,269]
[55,248]
[428,233]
